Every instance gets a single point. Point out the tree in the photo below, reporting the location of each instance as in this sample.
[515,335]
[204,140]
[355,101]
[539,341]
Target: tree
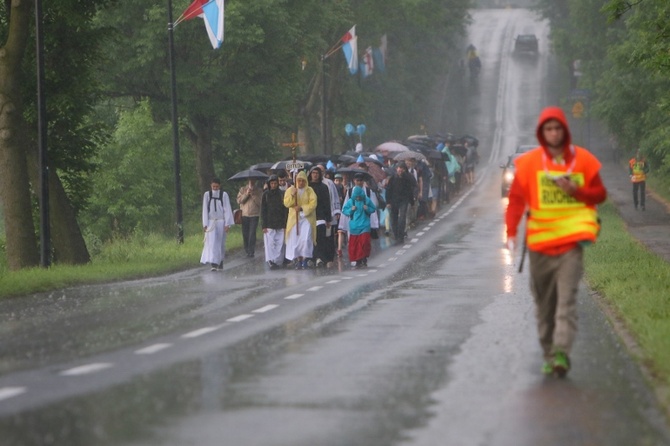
[21,247]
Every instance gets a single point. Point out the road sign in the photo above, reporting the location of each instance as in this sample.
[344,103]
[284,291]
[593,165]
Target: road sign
[578,110]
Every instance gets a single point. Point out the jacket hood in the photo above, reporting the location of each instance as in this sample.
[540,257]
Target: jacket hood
[548,114]
[301,175]
[357,193]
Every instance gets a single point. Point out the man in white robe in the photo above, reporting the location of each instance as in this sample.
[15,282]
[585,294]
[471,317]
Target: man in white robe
[217,218]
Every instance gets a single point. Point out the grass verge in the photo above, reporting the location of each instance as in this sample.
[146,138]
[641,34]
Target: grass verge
[141,256]
[636,284]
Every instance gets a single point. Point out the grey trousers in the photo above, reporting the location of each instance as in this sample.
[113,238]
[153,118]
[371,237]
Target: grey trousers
[554,282]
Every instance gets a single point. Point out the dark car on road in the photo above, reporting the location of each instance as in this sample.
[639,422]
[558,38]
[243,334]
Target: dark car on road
[525,43]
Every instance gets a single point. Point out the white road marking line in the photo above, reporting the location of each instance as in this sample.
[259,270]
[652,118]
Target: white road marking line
[347,277]
[294,296]
[392,259]
[414,240]
[361,275]
[381,266]
[314,288]
[86,369]
[419,234]
[240,318]
[150,350]
[10,392]
[265,308]
[334,281]
[406,246]
[372,270]
[400,252]
[199,332]
[431,224]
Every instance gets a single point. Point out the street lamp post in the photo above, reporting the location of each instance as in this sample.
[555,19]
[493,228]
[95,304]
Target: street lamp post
[175,130]
[45,228]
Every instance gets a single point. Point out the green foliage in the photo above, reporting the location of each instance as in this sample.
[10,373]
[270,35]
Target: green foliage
[637,283]
[625,51]
[126,258]
[134,192]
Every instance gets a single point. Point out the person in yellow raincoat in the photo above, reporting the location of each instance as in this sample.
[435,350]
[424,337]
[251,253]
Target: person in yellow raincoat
[300,200]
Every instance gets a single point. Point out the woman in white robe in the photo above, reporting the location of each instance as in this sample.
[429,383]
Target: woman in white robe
[217,218]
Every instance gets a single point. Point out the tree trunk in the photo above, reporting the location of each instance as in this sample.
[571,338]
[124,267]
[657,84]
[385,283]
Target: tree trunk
[200,137]
[21,243]
[67,240]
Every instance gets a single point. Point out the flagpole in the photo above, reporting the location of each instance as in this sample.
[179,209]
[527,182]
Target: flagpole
[324,106]
[175,130]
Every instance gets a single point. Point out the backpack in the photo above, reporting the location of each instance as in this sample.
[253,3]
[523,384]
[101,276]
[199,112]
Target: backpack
[211,198]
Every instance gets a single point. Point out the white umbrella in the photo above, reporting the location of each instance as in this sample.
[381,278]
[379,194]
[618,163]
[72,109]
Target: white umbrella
[391,147]
[407,155]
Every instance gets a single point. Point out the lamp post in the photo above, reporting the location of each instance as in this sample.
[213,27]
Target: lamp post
[175,130]
[45,228]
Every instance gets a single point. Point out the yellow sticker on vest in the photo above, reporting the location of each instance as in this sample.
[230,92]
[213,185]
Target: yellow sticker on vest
[552,196]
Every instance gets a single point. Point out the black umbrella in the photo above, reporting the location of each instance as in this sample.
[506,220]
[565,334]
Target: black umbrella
[248,174]
[261,166]
[351,171]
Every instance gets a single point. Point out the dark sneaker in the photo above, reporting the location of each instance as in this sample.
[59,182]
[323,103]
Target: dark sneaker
[561,364]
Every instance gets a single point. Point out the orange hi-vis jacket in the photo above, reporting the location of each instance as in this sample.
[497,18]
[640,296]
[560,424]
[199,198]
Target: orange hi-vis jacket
[556,219]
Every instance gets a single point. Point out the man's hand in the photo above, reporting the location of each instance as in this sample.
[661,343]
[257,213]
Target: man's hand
[226,228]
[511,243]
[566,185]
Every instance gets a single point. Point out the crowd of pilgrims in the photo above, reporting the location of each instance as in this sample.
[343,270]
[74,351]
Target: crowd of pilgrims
[313,217]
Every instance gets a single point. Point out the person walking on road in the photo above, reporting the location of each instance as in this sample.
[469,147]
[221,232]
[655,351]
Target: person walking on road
[273,222]
[638,169]
[217,218]
[560,185]
[249,199]
[400,194]
[301,222]
[359,208]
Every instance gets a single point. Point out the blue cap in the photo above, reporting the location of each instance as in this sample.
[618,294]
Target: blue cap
[360,159]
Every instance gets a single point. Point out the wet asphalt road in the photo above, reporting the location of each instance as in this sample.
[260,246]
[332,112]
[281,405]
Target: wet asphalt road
[433,344]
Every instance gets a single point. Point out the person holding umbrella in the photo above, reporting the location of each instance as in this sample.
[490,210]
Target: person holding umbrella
[217,218]
[249,199]
[301,223]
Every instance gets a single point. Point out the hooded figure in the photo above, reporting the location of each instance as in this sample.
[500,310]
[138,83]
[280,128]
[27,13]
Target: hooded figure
[300,200]
[359,208]
[560,185]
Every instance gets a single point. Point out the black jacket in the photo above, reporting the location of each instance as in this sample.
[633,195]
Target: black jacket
[273,211]
[401,189]
[322,201]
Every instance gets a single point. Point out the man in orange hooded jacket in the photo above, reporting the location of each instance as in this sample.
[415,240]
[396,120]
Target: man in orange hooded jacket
[559,186]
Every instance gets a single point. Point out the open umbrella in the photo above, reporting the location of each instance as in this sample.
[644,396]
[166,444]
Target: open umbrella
[391,147]
[402,156]
[373,169]
[281,165]
[261,166]
[351,171]
[248,174]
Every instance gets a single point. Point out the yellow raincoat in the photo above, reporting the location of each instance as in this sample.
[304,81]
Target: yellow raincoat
[307,202]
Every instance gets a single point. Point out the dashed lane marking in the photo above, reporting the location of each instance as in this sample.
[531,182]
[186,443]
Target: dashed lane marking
[150,350]
[406,246]
[265,309]
[392,259]
[294,296]
[240,318]
[414,240]
[199,332]
[419,234]
[314,288]
[10,392]
[87,369]
[334,281]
